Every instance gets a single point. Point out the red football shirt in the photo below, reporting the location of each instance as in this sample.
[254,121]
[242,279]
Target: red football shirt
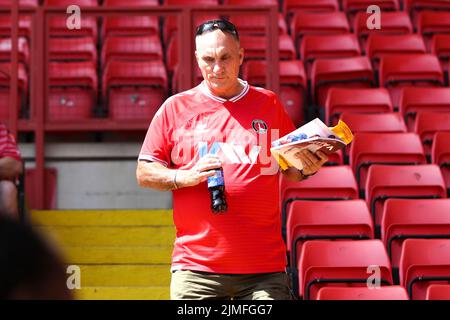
[247,238]
[8,147]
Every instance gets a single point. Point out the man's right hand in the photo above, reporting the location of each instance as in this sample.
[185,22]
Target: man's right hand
[203,169]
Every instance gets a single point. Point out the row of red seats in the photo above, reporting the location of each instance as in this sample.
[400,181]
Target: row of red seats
[325,266]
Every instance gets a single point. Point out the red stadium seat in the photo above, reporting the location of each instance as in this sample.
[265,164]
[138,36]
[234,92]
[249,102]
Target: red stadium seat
[304,23]
[5,73]
[73,90]
[424,262]
[72,49]
[330,183]
[377,122]
[341,263]
[130,26]
[343,72]
[134,89]
[292,84]
[413,7]
[251,2]
[432,22]
[383,148]
[51,178]
[440,46]
[255,47]
[438,292]
[351,7]
[401,181]
[255,25]
[415,99]
[132,48]
[23,50]
[407,218]
[171,22]
[22,3]
[24,26]
[379,45]
[428,123]
[397,22]
[328,46]
[440,155]
[397,71]
[312,220]
[362,293]
[356,100]
[291,6]
[58,24]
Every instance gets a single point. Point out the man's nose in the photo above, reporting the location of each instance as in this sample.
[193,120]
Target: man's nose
[217,67]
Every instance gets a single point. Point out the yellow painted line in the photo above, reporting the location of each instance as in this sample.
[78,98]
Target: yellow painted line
[117,254]
[123,293]
[102,217]
[124,275]
[107,236]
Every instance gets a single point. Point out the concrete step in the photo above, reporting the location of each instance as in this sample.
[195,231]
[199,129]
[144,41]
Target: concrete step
[122,293]
[102,217]
[117,254]
[124,275]
[110,235]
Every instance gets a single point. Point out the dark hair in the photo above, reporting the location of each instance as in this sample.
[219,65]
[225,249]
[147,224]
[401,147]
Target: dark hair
[212,25]
[29,268]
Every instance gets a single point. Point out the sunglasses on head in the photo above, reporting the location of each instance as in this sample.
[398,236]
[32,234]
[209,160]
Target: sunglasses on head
[212,25]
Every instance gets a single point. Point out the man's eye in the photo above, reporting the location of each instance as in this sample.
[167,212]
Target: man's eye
[208,59]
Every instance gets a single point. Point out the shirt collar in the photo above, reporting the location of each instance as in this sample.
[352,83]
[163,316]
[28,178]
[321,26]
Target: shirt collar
[206,91]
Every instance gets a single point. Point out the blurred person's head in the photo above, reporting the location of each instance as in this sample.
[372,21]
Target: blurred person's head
[29,267]
[219,56]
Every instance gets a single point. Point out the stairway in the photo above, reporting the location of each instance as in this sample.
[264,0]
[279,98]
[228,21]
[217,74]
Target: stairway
[122,254]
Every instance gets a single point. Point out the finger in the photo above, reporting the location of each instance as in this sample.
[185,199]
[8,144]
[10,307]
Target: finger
[205,174]
[209,159]
[309,157]
[208,166]
[323,157]
[305,160]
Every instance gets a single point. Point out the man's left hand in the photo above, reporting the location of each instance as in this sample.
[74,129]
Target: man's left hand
[312,162]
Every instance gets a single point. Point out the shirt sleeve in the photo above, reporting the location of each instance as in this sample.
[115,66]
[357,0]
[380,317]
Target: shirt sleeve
[157,146]
[8,147]
[286,124]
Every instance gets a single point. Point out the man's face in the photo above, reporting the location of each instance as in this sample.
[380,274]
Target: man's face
[219,57]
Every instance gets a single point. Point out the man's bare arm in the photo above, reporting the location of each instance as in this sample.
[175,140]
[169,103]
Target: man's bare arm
[156,176]
[9,168]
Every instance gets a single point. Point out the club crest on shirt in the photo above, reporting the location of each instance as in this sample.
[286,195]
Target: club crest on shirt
[259,126]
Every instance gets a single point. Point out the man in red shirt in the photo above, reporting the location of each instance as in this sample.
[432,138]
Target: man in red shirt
[222,123]
[10,168]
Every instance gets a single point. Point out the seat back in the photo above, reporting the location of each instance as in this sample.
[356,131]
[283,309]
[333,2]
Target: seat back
[368,148]
[424,262]
[362,293]
[356,100]
[413,218]
[428,123]
[347,262]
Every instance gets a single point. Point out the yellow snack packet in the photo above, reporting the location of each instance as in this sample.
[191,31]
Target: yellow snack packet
[343,131]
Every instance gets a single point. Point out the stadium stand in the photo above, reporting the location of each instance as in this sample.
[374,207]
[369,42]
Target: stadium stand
[334,220]
[417,99]
[413,218]
[424,262]
[438,292]
[328,263]
[362,293]
[440,155]
[401,181]
[356,100]
[370,148]
[119,68]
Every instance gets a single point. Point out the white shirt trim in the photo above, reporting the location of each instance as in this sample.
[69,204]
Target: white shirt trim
[208,92]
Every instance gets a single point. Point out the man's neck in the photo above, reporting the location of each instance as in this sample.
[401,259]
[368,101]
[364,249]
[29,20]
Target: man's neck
[236,91]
